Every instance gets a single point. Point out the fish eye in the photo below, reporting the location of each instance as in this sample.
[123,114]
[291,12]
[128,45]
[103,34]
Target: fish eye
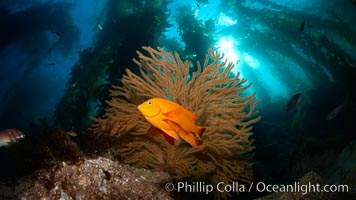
[150,102]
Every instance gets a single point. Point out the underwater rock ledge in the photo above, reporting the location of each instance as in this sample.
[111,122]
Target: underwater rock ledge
[99,178]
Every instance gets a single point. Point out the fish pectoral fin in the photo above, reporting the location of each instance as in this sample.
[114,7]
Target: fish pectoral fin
[180,113]
[182,118]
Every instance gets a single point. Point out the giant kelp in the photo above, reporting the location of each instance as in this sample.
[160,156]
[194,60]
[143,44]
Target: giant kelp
[33,27]
[196,35]
[30,32]
[209,92]
[125,29]
[84,86]
[322,51]
[325,43]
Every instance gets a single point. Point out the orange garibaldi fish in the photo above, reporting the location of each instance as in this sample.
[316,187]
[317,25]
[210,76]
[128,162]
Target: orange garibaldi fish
[173,120]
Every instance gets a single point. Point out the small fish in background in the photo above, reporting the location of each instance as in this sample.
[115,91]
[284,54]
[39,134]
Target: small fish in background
[72,134]
[56,34]
[172,121]
[302,26]
[294,102]
[10,136]
[73,85]
[198,5]
[51,64]
[99,27]
[338,110]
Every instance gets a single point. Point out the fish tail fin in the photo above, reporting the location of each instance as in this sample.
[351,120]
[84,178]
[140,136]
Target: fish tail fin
[201,131]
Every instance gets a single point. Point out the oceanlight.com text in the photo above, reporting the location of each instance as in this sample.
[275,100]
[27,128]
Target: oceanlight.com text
[301,188]
[202,187]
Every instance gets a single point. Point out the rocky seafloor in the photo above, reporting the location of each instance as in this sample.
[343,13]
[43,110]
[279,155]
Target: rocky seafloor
[105,178]
[99,178]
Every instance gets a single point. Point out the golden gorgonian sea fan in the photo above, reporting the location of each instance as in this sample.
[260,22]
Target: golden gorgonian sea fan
[217,98]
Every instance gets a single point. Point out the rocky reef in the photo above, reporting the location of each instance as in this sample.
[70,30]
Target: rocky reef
[99,178]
